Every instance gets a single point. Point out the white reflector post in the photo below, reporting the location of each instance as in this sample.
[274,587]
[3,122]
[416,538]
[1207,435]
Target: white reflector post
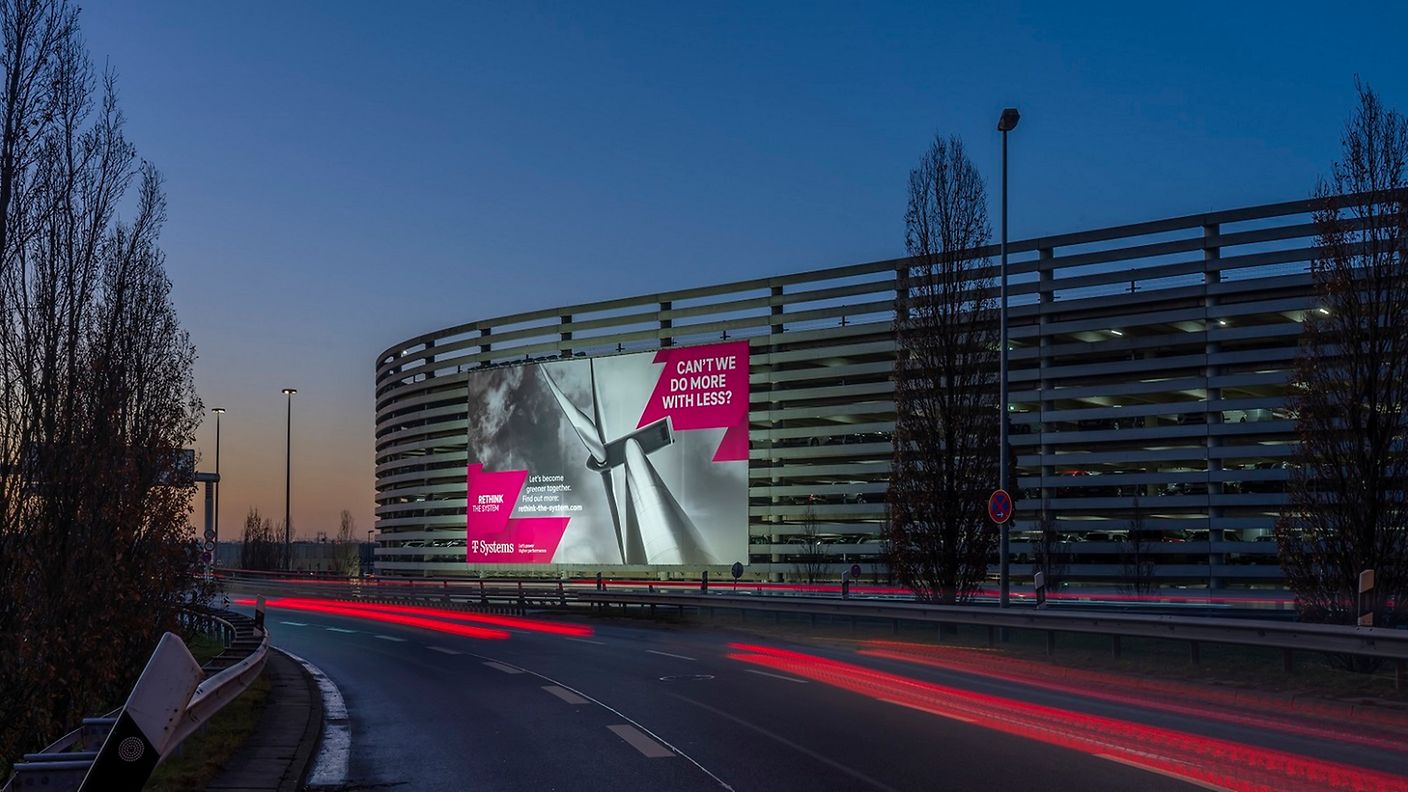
[1366,598]
[143,729]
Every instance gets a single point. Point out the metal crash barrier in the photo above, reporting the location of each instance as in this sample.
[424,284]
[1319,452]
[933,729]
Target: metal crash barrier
[172,698]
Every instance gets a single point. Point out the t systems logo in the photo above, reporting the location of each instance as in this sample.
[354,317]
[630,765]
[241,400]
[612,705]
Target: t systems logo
[490,548]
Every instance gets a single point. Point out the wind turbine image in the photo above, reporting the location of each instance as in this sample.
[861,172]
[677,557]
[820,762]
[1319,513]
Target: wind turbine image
[651,526]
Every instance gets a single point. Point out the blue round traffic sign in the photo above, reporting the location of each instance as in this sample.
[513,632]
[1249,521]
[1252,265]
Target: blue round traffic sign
[1000,506]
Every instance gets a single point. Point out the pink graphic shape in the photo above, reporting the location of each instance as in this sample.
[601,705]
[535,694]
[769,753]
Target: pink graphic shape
[493,535]
[704,387]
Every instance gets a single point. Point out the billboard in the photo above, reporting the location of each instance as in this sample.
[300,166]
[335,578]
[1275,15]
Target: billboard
[629,459]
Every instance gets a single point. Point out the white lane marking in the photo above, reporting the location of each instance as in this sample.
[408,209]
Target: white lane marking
[504,667]
[1165,773]
[667,654]
[338,629]
[295,624]
[775,676]
[443,650]
[335,743]
[930,710]
[638,741]
[390,638]
[820,758]
[588,641]
[565,694]
[626,718]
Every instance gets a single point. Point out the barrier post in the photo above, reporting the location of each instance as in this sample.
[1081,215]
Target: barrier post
[1366,598]
[144,728]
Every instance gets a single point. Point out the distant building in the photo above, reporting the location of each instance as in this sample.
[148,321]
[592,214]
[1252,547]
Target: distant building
[1149,369]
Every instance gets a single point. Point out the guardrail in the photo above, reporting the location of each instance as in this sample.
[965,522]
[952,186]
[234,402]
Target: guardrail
[172,698]
[1289,637]
[517,594]
[494,590]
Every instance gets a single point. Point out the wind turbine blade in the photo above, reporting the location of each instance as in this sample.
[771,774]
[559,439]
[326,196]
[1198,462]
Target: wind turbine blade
[587,430]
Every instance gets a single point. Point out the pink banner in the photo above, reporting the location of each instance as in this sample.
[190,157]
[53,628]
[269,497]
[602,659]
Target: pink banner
[494,535]
[704,387]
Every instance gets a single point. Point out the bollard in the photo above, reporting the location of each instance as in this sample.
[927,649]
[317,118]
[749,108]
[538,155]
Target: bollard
[1039,582]
[1366,598]
[483,596]
[704,582]
[561,595]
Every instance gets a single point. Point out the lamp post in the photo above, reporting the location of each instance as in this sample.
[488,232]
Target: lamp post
[371,555]
[1006,123]
[215,557]
[288,479]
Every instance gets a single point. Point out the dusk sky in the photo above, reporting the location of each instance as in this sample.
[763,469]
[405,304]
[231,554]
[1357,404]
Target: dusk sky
[342,176]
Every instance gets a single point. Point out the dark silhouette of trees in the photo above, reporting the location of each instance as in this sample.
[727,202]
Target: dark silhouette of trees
[1051,554]
[1138,559]
[261,547]
[811,560]
[348,551]
[96,391]
[1348,489]
[946,426]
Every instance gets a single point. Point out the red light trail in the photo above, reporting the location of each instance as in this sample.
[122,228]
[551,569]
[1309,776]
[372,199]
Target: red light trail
[437,619]
[334,608]
[1166,696]
[1202,760]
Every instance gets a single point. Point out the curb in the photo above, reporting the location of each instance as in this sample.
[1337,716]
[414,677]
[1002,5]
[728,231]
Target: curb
[328,768]
[303,755]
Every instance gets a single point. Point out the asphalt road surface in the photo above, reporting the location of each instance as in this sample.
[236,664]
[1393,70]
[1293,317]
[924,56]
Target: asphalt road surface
[638,706]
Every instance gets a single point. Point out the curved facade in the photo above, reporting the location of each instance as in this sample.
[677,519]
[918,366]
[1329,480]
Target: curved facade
[1148,370]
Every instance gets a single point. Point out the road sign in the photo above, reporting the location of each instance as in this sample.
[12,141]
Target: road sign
[736,570]
[1000,506]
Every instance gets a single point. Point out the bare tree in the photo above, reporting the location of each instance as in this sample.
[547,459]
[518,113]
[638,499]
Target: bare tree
[261,548]
[96,392]
[348,550]
[811,561]
[1348,491]
[946,425]
[1051,556]
[1138,559]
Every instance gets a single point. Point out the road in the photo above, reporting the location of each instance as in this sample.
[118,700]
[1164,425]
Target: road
[637,705]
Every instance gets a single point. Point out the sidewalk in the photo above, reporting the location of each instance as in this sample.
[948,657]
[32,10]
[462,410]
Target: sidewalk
[276,757]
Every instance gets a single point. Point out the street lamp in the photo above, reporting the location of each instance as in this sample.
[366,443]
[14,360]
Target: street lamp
[215,557]
[1005,124]
[288,478]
